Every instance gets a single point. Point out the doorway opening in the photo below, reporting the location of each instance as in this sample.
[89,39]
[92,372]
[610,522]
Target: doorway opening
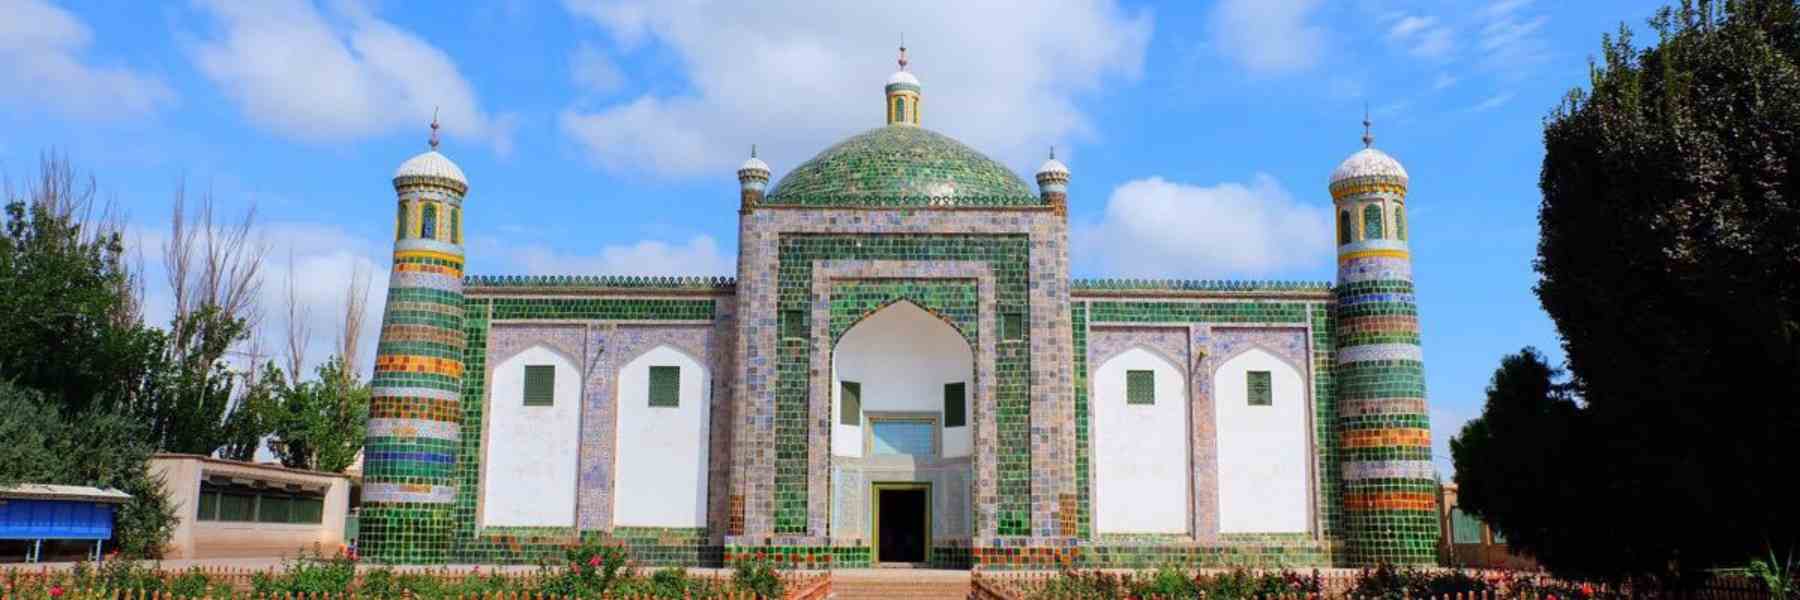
[902,522]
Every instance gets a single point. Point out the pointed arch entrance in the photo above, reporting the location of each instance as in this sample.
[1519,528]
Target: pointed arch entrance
[902,380]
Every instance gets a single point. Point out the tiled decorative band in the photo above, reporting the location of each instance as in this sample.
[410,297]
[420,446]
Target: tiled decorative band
[1385,501]
[434,281]
[409,492]
[415,392]
[414,428]
[1350,256]
[1375,352]
[1368,438]
[426,247]
[1356,470]
[1374,268]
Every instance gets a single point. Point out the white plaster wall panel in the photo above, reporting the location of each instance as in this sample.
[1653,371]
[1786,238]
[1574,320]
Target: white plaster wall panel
[1141,482]
[530,467]
[1263,450]
[902,356]
[661,476]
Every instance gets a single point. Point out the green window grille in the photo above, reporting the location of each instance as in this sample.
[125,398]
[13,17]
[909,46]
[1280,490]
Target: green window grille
[956,405]
[237,507]
[1372,222]
[1400,223]
[1465,528]
[209,506]
[455,225]
[1012,326]
[1140,387]
[540,385]
[400,225]
[1344,227]
[307,510]
[665,386]
[849,403]
[428,222]
[274,509]
[900,110]
[1258,386]
[793,324]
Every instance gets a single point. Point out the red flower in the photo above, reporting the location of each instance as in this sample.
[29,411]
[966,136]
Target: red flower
[56,591]
[594,561]
[1550,597]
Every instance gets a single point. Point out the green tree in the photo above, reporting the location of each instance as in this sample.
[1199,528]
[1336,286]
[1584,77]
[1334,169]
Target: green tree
[95,447]
[319,424]
[1669,260]
[69,323]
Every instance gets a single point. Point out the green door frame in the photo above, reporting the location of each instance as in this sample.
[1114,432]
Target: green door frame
[875,490]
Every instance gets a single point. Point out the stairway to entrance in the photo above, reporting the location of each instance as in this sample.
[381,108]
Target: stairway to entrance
[887,584]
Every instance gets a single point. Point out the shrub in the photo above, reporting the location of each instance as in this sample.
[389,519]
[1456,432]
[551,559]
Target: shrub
[758,577]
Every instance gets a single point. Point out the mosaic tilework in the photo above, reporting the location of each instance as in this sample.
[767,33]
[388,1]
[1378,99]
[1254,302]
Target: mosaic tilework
[1012,365]
[414,424]
[900,165]
[586,323]
[1388,502]
[1046,423]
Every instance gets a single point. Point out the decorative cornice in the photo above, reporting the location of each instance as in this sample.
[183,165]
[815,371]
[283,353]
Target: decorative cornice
[1196,285]
[628,282]
[871,201]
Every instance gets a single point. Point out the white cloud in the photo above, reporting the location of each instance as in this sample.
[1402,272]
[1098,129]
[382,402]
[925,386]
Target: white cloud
[1268,37]
[700,255]
[1153,228]
[796,76]
[1492,102]
[42,66]
[337,75]
[1443,80]
[593,71]
[1423,37]
[1510,41]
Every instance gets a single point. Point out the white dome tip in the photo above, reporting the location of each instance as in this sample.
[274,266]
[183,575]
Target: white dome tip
[905,77]
[431,164]
[754,164]
[1369,162]
[1053,166]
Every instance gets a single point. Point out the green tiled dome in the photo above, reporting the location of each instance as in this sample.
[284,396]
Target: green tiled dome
[901,165]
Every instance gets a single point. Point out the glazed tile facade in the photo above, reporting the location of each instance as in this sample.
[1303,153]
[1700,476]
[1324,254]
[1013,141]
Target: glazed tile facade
[901,214]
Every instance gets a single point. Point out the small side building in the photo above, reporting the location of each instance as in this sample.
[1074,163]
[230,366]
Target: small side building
[232,509]
[1468,542]
[34,513]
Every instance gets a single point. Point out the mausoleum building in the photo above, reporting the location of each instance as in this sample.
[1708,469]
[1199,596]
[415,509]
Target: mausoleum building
[902,371]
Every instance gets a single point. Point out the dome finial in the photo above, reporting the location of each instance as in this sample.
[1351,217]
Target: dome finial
[1052,152]
[434,128]
[1368,136]
[753,151]
[903,52]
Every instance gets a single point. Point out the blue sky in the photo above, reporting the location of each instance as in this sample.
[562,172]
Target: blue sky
[602,137]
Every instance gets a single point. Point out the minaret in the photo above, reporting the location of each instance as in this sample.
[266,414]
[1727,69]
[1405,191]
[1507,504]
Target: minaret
[753,180]
[415,412]
[903,95]
[1053,183]
[1389,492]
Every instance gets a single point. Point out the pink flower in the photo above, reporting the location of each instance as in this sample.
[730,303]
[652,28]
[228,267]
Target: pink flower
[1587,590]
[594,561]
[56,591]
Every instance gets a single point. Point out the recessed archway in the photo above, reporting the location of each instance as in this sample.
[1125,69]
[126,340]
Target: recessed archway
[902,359]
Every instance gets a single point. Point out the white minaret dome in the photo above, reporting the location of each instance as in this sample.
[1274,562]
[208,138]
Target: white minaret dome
[903,77]
[754,164]
[1053,167]
[1369,162]
[431,163]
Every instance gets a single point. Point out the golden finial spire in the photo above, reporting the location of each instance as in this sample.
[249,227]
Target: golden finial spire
[1368,136]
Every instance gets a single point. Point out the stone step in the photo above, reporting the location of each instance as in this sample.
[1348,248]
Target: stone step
[886,584]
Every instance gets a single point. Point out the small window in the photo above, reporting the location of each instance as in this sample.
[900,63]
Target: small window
[665,386]
[455,225]
[793,324]
[1257,384]
[1400,223]
[400,224]
[1344,227]
[1012,326]
[209,506]
[540,385]
[307,510]
[274,509]
[1372,222]
[1465,528]
[428,222]
[237,507]
[956,405]
[902,437]
[1140,387]
[850,403]
[900,110]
